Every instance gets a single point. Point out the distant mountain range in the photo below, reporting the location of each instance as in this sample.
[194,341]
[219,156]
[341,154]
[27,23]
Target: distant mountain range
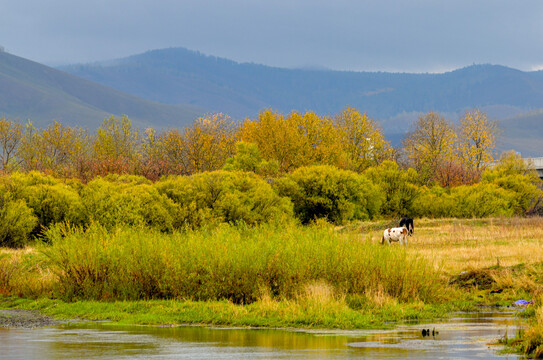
[31,91]
[181,76]
[170,87]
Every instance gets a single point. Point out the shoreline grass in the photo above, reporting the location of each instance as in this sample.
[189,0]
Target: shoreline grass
[260,314]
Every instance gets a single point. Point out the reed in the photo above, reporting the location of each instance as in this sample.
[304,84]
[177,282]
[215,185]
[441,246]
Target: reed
[233,263]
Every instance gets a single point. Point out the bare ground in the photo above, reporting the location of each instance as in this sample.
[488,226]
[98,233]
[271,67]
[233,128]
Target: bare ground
[26,319]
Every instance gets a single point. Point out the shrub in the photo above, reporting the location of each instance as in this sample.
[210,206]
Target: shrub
[398,186]
[482,200]
[328,192]
[17,222]
[433,202]
[223,196]
[127,200]
[51,200]
[248,158]
[513,174]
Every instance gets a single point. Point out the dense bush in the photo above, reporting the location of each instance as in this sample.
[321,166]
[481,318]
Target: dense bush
[16,222]
[50,199]
[127,200]
[513,174]
[328,192]
[248,158]
[433,202]
[481,200]
[223,196]
[398,186]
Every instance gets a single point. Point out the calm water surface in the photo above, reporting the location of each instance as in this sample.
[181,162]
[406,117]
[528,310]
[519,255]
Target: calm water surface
[462,337]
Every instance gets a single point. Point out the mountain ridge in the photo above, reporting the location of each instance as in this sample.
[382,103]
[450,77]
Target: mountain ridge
[179,75]
[33,91]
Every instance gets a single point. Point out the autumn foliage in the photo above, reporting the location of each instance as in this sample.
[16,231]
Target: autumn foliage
[273,168]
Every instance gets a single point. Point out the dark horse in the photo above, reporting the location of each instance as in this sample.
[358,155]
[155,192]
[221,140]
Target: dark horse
[408,223]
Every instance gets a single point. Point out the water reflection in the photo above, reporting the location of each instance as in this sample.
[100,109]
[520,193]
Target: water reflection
[461,337]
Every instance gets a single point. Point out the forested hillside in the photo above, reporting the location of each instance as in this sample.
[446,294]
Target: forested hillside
[31,91]
[180,76]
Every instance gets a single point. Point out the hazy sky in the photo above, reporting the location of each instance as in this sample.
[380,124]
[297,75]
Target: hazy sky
[365,35]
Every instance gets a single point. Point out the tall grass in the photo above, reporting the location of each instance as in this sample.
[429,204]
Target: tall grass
[235,263]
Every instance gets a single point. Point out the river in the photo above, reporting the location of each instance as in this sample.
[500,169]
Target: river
[464,336]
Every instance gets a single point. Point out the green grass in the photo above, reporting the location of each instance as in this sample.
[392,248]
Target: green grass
[283,314]
[233,263]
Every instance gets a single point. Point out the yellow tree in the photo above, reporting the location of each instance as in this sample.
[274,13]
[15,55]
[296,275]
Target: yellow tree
[278,138]
[430,145]
[116,145]
[175,154]
[362,140]
[10,138]
[477,140]
[154,163]
[62,147]
[318,139]
[209,142]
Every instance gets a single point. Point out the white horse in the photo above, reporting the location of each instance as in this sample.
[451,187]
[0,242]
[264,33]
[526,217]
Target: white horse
[395,234]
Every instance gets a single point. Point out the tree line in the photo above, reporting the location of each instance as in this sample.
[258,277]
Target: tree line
[271,145]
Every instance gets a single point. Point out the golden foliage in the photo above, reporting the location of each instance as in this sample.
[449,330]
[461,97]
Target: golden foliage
[361,139]
[477,137]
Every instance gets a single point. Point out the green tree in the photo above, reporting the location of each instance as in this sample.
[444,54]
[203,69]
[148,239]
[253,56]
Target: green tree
[117,140]
[209,142]
[248,159]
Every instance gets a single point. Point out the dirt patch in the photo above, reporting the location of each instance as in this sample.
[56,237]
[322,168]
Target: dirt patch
[26,319]
[481,279]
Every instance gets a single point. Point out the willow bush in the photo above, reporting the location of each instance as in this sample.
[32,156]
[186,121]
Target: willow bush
[127,200]
[328,192]
[224,196]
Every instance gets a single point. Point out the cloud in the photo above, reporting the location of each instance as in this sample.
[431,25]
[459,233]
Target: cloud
[389,35]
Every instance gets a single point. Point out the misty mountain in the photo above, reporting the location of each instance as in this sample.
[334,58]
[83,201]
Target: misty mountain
[31,91]
[181,76]
[169,88]
[524,133]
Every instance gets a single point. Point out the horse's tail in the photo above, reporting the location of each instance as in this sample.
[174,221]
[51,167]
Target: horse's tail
[383,240]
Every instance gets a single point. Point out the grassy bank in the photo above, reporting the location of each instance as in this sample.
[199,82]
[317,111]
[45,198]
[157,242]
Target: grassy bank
[237,264]
[314,311]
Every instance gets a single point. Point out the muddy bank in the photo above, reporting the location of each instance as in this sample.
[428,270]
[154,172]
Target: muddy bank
[26,319]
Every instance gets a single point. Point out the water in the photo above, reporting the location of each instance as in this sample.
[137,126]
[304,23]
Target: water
[462,337]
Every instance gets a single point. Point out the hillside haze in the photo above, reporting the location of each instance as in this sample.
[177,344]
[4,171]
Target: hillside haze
[31,91]
[181,76]
[169,88]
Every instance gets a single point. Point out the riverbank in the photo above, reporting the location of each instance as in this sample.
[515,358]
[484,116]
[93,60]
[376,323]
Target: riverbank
[312,277]
[260,314]
[26,319]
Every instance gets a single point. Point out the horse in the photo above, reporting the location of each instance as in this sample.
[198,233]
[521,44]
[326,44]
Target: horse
[395,234]
[408,223]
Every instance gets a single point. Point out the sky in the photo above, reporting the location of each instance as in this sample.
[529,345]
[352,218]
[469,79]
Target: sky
[359,35]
